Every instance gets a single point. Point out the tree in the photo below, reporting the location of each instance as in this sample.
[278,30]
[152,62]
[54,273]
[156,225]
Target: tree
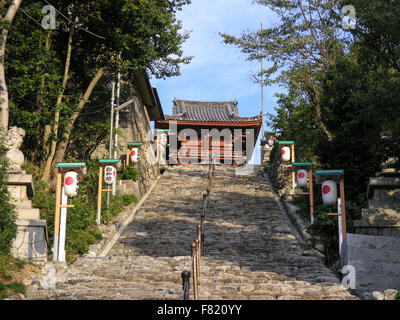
[5,23]
[89,38]
[301,48]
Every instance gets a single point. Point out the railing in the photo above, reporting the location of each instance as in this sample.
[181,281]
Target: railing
[197,246]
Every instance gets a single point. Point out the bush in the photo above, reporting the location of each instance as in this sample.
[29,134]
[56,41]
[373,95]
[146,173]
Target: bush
[8,265]
[126,173]
[82,230]
[324,226]
[8,215]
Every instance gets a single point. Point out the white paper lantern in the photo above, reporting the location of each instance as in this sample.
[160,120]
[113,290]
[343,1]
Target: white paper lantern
[286,154]
[71,184]
[271,141]
[163,139]
[134,155]
[302,176]
[109,174]
[329,192]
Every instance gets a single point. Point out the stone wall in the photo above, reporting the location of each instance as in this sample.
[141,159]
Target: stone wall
[278,171]
[376,261]
[134,125]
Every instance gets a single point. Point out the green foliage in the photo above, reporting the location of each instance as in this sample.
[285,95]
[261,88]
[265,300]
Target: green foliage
[127,173]
[146,34]
[116,206]
[8,215]
[8,265]
[82,230]
[11,288]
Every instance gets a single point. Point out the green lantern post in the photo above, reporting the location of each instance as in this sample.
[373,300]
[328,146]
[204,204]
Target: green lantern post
[131,145]
[337,176]
[293,159]
[103,163]
[307,166]
[70,172]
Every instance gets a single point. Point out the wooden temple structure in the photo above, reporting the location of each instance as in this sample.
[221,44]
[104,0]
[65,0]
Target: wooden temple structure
[199,129]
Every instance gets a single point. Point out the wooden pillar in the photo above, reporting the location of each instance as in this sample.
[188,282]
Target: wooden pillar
[127,157]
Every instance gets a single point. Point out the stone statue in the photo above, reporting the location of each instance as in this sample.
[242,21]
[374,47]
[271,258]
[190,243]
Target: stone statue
[13,142]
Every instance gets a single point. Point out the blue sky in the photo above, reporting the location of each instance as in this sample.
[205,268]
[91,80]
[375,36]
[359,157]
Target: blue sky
[219,72]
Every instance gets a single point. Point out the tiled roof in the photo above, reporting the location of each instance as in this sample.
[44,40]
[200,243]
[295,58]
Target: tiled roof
[186,110]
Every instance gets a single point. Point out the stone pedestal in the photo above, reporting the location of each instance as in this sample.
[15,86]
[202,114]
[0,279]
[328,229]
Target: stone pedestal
[382,218]
[31,241]
[374,250]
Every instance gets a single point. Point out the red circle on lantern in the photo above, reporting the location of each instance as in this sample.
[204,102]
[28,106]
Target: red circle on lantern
[301,175]
[114,173]
[283,151]
[326,189]
[69,181]
[133,152]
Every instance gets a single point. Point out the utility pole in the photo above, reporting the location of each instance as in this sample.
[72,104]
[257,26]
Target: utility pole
[112,118]
[114,185]
[111,132]
[262,97]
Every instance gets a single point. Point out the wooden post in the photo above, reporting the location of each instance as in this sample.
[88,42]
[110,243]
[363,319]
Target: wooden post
[185,284]
[199,239]
[194,271]
[310,174]
[197,257]
[99,193]
[293,174]
[127,156]
[57,215]
[343,206]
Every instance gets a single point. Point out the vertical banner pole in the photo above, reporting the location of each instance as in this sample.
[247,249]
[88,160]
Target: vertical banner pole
[293,174]
[63,226]
[343,206]
[158,151]
[57,215]
[340,228]
[310,175]
[99,194]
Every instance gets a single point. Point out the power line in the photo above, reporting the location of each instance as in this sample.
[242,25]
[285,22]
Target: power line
[81,113]
[74,23]
[33,19]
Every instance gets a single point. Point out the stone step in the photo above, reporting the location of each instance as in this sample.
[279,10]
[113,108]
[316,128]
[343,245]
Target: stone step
[28,213]
[384,204]
[382,183]
[24,204]
[381,214]
[249,249]
[389,172]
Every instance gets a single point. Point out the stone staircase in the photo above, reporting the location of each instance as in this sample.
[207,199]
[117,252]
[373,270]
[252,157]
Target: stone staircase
[250,252]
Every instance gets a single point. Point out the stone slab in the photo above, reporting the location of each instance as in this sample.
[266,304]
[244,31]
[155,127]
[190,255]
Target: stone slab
[21,180]
[382,183]
[28,213]
[31,241]
[376,260]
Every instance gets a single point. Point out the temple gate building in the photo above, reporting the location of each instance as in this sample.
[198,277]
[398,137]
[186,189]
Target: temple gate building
[198,130]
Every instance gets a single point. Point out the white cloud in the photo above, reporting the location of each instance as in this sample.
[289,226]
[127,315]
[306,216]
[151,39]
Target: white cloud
[218,72]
